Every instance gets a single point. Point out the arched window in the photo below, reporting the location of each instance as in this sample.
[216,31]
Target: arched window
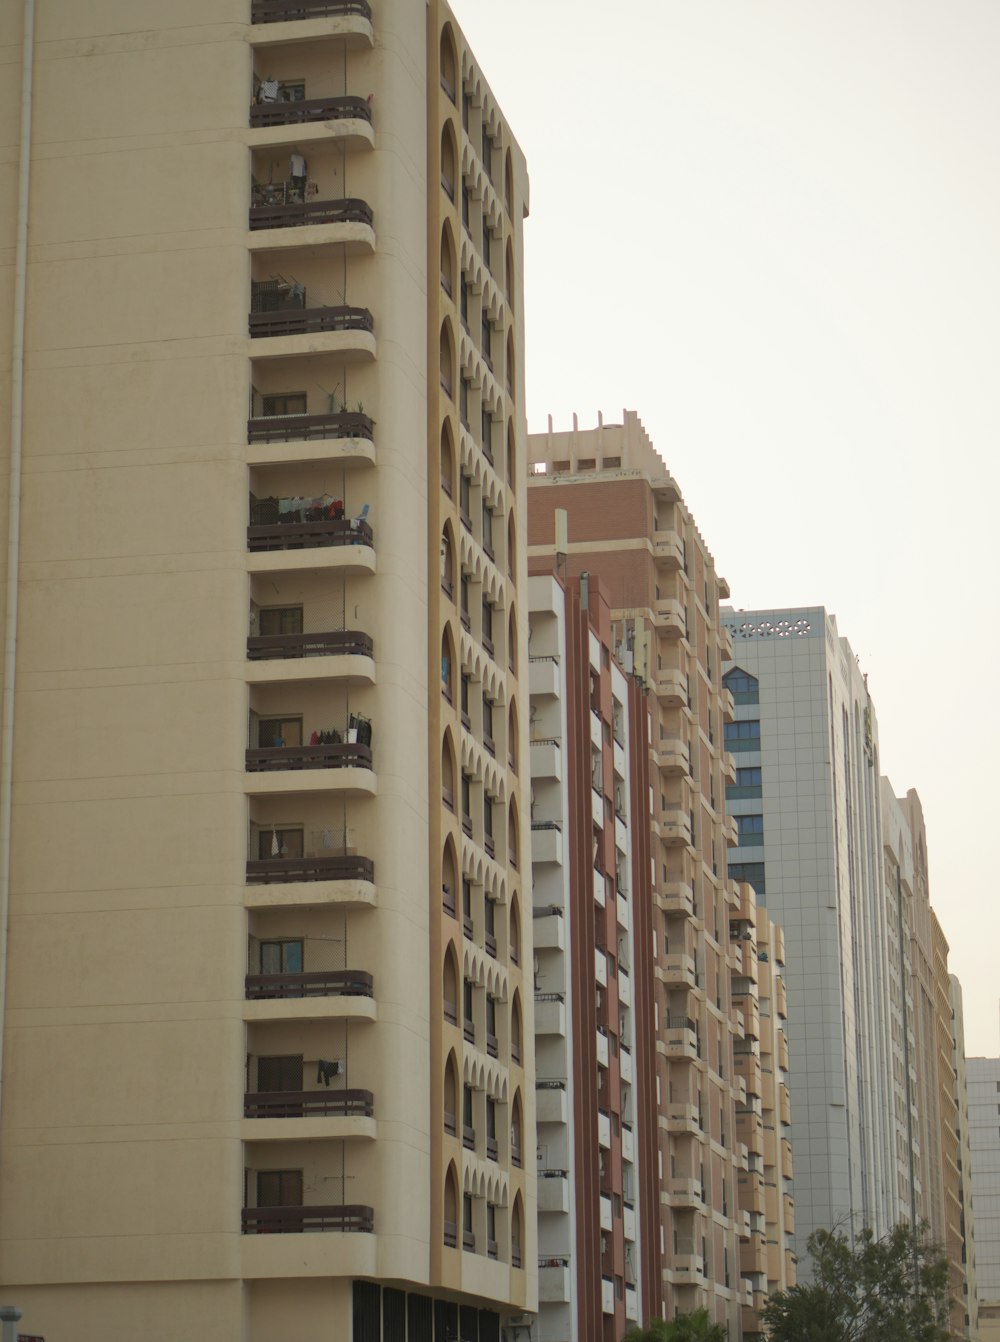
[448,665]
[510,364]
[448,780]
[508,274]
[513,851]
[511,548]
[447,260]
[449,63]
[451,1208]
[450,986]
[515,931]
[516,1035]
[517,1233]
[516,1132]
[447,460]
[449,160]
[451,1098]
[510,453]
[512,640]
[447,356]
[508,183]
[447,561]
[449,864]
[512,736]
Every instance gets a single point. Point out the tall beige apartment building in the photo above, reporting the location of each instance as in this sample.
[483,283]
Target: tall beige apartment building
[628,525]
[970,1305]
[268,1011]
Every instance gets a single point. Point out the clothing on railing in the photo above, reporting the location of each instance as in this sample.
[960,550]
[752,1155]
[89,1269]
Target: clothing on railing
[297,508]
[326,1071]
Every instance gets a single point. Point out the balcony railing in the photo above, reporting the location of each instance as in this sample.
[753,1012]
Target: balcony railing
[348,755]
[307,1103]
[295,1220]
[310,321]
[307,110]
[280,11]
[265,212]
[275,870]
[450,1235]
[318,983]
[309,535]
[306,428]
[336,642]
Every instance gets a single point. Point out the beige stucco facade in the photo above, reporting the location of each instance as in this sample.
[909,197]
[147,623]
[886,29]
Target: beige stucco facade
[227,818]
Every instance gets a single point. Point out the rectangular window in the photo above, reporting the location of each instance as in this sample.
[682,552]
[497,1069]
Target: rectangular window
[281,957]
[284,403]
[742,736]
[279,843]
[273,733]
[280,620]
[750,872]
[279,1188]
[750,829]
[279,1074]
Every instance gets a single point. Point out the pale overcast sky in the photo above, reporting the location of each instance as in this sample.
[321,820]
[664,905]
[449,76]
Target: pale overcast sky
[772,229]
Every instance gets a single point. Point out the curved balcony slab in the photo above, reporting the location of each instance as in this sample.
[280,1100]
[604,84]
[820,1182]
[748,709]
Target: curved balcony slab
[311,1008]
[350,560]
[359,670]
[355,238]
[310,895]
[332,1128]
[353,346]
[295,782]
[346,452]
[315,138]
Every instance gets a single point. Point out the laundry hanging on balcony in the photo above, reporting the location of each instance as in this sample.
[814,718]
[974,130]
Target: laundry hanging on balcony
[295,508]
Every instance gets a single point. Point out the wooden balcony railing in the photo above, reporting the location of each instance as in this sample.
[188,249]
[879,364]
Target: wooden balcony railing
[334,642]
[347,755]
[468,1241]
[310,321]
[492,1148]
[450,1124]
[265,871]
[309,535]
[306,1103]
[468,1137]
[450,1235]
[281,11]
[515,1255]
[492,1045]
[295,1220]
[308,110]
[318,983]
[295,215]
[296,428]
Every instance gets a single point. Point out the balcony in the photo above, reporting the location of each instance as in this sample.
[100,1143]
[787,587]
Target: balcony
[308,1103]
[280,219]
[546,758]
[668,549]
[553,1190]
[682,1118]
[669,617]
[685,1192]
[345,768]
[554,1283]
[543,676]
[295,329]
[549,929]
[297,1220]
[344,654]
[287,11]
[672,757]
[275,873]
[671,687]
[344,436]
[676,897]
[546,842]
[674,827]
[681,1039]
[312,125]
[677,971]
[318,983]
[728,705]
[549,1013]
[550,1102]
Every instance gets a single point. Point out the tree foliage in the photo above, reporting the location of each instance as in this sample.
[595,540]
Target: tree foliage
[694,1327]
[893,1289]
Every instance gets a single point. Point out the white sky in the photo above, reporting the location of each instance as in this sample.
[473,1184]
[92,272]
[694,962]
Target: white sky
[772,229]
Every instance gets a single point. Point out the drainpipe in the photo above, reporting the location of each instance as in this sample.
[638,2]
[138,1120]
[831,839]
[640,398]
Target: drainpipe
[14,502]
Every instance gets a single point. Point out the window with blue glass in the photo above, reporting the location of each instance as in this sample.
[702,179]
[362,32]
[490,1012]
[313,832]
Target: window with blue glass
[740,736]
[744,688]
[747,786]
[750,829]
[751,872]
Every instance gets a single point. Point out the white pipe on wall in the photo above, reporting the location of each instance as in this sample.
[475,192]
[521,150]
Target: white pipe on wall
[14,501]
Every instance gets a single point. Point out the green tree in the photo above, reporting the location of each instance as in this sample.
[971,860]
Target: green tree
[893,1289]
[694,1327]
